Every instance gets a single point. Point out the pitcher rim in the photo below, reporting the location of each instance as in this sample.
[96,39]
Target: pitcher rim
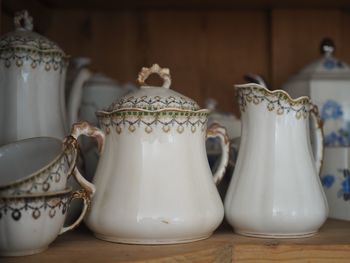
[273,92]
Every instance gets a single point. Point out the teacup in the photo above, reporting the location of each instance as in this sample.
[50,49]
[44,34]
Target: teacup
[39,165]
[29,223]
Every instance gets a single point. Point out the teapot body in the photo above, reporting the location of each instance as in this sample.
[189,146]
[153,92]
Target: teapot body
[276,190]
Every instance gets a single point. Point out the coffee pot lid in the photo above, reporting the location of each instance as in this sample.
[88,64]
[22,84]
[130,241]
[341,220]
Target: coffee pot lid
[24,44]
[326,67]
[152,98]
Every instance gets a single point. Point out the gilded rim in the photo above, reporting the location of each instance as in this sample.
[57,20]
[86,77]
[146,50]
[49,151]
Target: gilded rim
[109,113]
[302,100]
[62,193]
[149,118]
[32,176]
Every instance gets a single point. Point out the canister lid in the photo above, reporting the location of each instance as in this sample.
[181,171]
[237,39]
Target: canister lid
[152,98]
[25,45]
[326,67]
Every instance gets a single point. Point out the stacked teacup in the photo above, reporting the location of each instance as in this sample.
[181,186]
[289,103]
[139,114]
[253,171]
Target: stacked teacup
[34,195]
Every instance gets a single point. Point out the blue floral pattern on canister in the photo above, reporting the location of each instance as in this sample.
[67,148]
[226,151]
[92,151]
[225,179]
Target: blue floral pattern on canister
[329,64]
[327,180]
[344,192]
[331,110]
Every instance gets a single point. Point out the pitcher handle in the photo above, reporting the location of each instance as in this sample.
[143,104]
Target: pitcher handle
[217,131]
[79,194]
[319,137]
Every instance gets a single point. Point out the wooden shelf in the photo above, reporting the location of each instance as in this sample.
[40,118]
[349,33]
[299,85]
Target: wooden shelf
[203,4]
[332,243]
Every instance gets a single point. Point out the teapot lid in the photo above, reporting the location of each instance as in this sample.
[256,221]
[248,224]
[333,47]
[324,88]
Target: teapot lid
[152,98]
[326,67]
[23,44]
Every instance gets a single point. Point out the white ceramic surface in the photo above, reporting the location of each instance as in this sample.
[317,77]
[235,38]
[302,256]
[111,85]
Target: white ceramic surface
[29,223]
[32,74]
[153,178]
[335,178]
[39,165]
[276,189]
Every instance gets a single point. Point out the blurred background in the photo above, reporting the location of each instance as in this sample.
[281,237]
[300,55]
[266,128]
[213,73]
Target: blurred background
[208,45]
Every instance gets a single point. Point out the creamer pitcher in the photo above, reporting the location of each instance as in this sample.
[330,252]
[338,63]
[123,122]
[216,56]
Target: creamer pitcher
[276,190]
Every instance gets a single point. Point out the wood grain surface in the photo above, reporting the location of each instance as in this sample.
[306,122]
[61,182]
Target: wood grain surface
[331,244]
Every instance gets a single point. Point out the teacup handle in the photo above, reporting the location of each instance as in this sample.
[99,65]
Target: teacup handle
[217,131]
[319,137]
[79,194]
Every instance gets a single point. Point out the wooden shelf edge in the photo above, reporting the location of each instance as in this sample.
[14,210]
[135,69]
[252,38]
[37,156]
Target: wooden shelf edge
[332,244]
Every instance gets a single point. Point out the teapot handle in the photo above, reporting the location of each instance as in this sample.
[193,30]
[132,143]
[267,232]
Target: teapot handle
[215,130]
[319,137]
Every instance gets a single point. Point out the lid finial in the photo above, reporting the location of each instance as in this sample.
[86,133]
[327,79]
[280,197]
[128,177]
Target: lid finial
[23,20]
[327,46]
[164,73]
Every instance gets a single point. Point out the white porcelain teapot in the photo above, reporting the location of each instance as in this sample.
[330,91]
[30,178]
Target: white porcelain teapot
[32,77]
[153,178]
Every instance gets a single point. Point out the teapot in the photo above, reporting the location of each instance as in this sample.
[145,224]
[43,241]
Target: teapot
[154,182]
[276,190]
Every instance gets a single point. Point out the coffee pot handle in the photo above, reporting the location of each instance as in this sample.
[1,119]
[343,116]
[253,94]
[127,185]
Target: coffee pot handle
[315,116]
[75,95]
[79,194]
[217,131]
